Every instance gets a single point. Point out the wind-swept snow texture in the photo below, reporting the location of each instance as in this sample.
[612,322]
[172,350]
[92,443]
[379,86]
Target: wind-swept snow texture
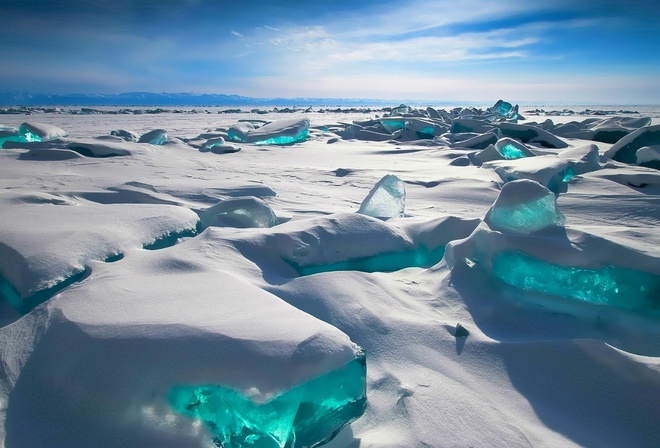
[393,277]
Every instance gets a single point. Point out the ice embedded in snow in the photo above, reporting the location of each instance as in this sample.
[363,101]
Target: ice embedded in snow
[531,134]
[281,132]
[612,286]
[505,110]
[217,145]
[307,415]
[512,149]
[524,206]
[40,131]
[549,170]
[127,135]
[583,159]
[30,132]
[625,149]
[156,137]
[387,199]
[242,212]
[648,156]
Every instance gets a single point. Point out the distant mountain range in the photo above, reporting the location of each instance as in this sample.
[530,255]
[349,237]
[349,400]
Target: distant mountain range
[181,99]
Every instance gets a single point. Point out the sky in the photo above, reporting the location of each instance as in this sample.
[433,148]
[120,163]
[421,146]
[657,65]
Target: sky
[564,51]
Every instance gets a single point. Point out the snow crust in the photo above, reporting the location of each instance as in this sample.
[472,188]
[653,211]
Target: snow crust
[457,353]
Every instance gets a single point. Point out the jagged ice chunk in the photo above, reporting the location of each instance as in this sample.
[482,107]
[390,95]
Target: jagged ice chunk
[386,200]
[524,206]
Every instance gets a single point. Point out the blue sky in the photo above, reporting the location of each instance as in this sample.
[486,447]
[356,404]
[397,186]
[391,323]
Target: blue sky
[574,52]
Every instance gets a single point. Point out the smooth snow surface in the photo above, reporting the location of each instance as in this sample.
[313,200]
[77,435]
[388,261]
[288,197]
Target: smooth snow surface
[153,291]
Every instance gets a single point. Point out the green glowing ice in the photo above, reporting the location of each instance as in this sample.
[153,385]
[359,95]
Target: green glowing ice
[393,125]
[613,286]
[526,217]
[511,152]
[285,139]
[28,136]
[387,262]
[568,174]
[307,415]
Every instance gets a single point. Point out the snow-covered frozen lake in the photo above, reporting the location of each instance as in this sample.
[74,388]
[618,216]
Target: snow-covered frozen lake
[213,288]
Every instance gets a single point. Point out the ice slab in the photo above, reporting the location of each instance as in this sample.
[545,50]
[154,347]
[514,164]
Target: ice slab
[420,257]
[531,134]
[281,132]
[31,131]
[308,415]
[609,285]
[156,137]
[625,149]
[217,145]
[242,212]
[524,206]
[648,156]
[38,259]
[387,199]
[550,171]
[583,159]
[512,149]
[505,110]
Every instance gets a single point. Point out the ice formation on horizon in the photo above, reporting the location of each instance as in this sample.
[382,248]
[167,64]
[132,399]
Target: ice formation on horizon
[308,415]
[387,199]
[524,206]
[505,110]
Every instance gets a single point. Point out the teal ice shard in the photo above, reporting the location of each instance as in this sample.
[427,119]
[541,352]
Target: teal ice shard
[523,206]
[156,137]
[242,212]
[609,285]
[307,415]
[387,199]
[31,132]
[512,149]
[281,132]
[505,110]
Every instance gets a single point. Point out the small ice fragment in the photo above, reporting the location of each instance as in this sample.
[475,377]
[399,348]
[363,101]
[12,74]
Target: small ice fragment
[387,199]
[461,331]
[524,206]
[242,212]
[156,137]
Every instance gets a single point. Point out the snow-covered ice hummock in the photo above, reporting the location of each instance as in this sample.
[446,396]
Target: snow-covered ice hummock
[281,132]
[31,132]
[156,343]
